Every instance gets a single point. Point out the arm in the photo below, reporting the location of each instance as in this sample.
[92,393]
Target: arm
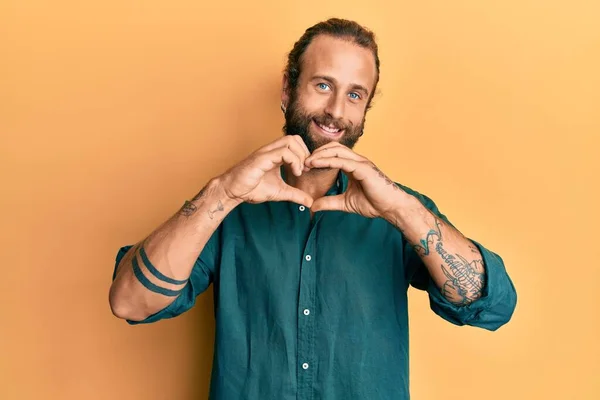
[153,273]
[467,283]
[460,299]
[161,276]
[454,263]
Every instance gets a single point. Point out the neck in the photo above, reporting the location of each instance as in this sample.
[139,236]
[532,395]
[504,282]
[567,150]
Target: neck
[315,182]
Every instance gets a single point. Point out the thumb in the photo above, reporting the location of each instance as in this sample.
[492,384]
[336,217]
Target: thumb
[329,203]
[297,196]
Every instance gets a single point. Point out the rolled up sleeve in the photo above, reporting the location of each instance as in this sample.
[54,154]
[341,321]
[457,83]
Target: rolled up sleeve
[498,301]
[493,309]
[200,279]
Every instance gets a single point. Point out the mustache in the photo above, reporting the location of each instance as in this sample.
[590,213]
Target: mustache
[328,120]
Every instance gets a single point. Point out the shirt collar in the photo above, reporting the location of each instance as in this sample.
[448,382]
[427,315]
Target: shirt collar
[340,185]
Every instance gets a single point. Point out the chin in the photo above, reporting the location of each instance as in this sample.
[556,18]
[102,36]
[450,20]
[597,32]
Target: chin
[320,140]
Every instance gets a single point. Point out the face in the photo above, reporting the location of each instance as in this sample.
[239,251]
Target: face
[330,100]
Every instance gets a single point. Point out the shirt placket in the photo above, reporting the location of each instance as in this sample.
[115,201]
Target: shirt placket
[306,301]
[306,327]
[306,323]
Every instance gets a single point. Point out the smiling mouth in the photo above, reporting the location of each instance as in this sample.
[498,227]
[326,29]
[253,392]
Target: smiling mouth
[329,130]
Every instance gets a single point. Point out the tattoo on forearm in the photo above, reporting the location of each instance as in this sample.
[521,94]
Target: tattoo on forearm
[465,279]
[423,247]
[188,208]
[191,206]
[220,207]
[387,180]
[200,194]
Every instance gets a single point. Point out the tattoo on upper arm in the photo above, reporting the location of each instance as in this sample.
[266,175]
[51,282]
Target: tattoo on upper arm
[127,257]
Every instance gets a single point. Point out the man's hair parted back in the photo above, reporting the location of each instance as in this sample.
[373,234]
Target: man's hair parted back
[335,27]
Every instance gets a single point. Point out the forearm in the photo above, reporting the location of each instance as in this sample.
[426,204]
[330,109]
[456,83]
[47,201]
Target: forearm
[453,261]
[171,250]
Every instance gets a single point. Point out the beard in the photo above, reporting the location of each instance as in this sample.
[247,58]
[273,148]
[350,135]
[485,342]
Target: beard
[298,122]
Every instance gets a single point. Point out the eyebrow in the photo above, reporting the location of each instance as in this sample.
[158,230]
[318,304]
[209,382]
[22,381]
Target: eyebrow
[354,86]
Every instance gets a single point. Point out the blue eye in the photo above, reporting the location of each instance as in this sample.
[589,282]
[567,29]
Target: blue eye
[323,86]
[356,96]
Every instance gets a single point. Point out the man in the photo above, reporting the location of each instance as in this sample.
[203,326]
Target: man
[311,249]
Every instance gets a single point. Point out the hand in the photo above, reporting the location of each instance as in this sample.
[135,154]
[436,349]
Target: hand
[258,178]
[369,193]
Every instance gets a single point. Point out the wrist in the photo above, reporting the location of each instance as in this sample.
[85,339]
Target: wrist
[405,209]
[219,186]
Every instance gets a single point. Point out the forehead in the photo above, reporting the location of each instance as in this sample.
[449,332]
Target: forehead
[341,59]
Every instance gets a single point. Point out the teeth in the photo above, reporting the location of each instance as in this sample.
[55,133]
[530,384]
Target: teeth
[328,129]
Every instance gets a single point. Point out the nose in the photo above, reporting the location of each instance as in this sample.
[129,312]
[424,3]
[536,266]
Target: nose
[335,106]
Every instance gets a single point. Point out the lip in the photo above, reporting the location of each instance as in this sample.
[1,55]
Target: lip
[328,134]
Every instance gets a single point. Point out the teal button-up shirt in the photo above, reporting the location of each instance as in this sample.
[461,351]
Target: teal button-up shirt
[317,308]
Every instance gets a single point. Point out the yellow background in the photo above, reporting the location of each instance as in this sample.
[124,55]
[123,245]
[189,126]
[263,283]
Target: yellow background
[114,112]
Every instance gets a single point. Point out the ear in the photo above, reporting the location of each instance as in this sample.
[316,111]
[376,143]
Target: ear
[285,91]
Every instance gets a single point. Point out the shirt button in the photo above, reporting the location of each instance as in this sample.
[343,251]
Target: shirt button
[306,311]
[302,208]
[308,257]
[305,366]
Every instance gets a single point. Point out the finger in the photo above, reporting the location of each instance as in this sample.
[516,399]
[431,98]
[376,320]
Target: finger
[298,138]
[357,169]
[335,151]
[298,147]
[281,142]
[273,145]
[333,143]
[294,143]
[290,157]
[330,145]
[329,203]
[295,195]
[279,156]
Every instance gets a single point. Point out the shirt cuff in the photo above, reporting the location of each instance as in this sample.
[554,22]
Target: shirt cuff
[493,309]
